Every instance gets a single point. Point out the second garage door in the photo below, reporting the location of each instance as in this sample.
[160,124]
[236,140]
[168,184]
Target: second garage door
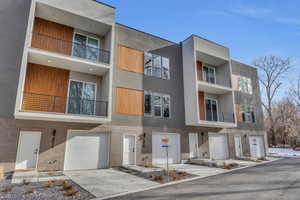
[159,155]
[86,151]
[218,147]
[256,147]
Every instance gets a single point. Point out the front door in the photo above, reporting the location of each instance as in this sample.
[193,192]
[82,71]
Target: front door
[28,150]
[194,146]
[238,146]
[129,150]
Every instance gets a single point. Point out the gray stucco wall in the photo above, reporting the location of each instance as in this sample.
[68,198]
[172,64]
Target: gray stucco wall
[135,39]
[253,99]
[13,18]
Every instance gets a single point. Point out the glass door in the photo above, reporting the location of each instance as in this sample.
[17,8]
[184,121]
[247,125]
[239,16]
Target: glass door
[211,110]
[82,98]
[86,47]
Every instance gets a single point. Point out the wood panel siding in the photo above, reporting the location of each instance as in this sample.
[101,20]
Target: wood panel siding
[130,59]
[238,112]
[201,105]
[130,101]
[199,71]
[45,89]
[52,36]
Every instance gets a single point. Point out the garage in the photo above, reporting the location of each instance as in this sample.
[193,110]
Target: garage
[257,149]
[86,150]
[159,154]
[218,147]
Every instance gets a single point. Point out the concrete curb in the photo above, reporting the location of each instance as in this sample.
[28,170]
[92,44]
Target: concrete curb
[181,181]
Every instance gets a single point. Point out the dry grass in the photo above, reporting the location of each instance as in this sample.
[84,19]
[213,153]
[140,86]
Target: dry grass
[230,165]
[7,189]
[71,192]
[183,173]
[158,178]
[48,184]
[58,181]
[66,185]
[31,191]
[24,182]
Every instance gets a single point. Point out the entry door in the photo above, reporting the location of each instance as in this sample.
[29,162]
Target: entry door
[28,150]
[194,146]
[238,146]
[129,150]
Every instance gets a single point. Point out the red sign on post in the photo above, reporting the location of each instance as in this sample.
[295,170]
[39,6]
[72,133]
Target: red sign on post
[165,140]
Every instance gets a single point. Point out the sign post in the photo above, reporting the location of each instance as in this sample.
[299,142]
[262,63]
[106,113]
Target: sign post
[165,142]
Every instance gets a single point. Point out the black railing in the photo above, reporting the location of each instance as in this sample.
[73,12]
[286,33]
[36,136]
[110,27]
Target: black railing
[64,105]
[222,117]
[71,48]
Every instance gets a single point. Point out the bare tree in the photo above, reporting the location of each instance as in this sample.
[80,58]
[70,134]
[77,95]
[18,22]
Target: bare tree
[295,92]
[272,70]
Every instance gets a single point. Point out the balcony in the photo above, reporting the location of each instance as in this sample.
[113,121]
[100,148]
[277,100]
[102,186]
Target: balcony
[221,120]
[58,108]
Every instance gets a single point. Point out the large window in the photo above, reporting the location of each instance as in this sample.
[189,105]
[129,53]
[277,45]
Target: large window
[157,105]
[86,47]
[209,74]
[211,110]
[245,84]
[158,66]
[82,96]
[248,114]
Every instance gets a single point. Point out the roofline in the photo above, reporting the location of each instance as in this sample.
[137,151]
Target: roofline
[147,33]
[244,63]
[194,35]
[104,4]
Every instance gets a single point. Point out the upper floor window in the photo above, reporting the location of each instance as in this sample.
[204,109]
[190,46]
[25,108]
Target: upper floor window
[157,105]
[248,113]
[86,47]
[158,66]
[244,84]
[211,109]
[209,74]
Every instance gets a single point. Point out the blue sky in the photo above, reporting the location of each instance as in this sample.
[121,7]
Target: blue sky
[250,28]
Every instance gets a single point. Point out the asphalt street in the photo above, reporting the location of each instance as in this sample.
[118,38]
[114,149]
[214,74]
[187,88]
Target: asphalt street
[279,180]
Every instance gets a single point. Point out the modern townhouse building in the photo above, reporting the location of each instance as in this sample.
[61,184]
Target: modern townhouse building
[80,91]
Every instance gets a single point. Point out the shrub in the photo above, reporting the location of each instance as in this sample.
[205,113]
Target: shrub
[71,192]
[7,189]
[48,184]
[31,191]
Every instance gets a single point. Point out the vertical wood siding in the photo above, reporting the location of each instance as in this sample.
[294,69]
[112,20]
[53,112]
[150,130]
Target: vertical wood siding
[238,112]
[201,105]
[52,36]
[199,70]
[130,59]
[130,101]
[45,89]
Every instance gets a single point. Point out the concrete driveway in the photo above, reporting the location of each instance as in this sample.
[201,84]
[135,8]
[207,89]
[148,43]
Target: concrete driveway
[106,182]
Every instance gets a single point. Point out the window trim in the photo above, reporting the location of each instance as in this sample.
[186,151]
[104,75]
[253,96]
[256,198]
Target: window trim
[161,114]
[251,113]
[166,95]
[68,95]
[209,67]
[151,103]
[211,99]
[162,67]
[86,43]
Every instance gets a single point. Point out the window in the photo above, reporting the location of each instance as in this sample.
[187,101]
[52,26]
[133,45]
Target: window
[245,84]
[155,65]
[166,106]
[248,114]
[157,105]
[86,47]
[82,96]
[157,101]
[165,68]
[148,103]
[148,64]
[156,69]
[211,110]
[209,74]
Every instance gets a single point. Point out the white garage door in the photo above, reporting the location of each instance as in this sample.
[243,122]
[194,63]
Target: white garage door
[218,147]
[256,146]
[159,154]
[86,151]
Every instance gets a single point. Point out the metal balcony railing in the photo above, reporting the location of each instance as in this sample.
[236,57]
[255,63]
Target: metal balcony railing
[222,117]
[70,48]
[64,105]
